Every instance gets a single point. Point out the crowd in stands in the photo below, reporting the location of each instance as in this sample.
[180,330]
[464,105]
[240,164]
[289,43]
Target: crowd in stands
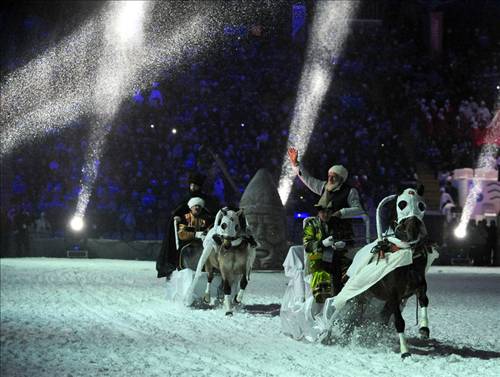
[454,115]
[237,103]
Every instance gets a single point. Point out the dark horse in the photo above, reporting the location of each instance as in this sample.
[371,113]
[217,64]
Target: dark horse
[397,286]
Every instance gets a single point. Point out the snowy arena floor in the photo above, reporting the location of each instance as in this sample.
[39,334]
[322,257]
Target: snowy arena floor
[67,317]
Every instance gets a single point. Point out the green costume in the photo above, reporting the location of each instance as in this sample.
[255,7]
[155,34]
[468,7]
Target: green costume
[326,277]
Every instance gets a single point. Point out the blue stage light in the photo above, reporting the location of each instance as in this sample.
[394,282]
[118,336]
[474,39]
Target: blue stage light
[301,215]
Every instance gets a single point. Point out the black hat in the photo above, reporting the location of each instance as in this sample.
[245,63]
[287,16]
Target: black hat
[196,178]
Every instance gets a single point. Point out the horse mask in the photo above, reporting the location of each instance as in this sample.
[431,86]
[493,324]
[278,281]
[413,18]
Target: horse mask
[227,223]
[410,208]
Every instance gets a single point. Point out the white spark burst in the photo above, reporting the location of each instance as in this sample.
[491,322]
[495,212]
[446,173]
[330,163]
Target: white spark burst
[488,153]
[127,68]
[90,72]
[329,30]
[119,62]
[49,92]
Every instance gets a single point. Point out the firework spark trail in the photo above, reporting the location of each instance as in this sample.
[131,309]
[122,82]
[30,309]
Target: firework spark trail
[85,75]
[144,63]
[49,87]
[175,48]
[57,114]
[118,65]
[50,91]
[329,30]
[488,153]
[133,67]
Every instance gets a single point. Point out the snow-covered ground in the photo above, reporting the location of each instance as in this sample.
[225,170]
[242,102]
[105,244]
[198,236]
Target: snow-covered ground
[63,317]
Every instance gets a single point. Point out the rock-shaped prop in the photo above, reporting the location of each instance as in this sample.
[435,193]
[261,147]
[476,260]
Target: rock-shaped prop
[267,220]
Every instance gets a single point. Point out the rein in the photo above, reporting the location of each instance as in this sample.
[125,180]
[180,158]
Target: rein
[383,247]
[228,242]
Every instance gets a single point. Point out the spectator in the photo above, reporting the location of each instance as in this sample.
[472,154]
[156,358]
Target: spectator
[43,229]
[22,223]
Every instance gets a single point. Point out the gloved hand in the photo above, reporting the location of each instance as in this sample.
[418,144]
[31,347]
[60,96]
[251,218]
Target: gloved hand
[339,245]
[200,235]
[327,242]
[177,218]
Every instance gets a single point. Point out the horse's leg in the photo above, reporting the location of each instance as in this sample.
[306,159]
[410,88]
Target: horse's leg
[352,320]
[227,294]
[386,313]
[400,327]
[243,285]
[423,300]
[210,272]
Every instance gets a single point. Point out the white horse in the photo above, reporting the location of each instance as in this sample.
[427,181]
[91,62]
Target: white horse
[230,248]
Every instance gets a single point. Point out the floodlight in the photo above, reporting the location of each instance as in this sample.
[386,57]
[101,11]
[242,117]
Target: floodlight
[76,223]
[460,232]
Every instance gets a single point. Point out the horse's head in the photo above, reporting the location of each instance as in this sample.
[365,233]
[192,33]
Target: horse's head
[227,223]
[410,207]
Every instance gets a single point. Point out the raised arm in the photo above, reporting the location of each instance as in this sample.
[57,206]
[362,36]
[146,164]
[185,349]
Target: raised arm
[314,184]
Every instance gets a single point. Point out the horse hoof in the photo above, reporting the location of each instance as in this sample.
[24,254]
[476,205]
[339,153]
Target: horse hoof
[327,341]
[424,332]
[405,355]
[229,314]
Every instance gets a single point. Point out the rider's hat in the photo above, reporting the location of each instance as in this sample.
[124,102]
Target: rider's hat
[196,178]
[340,170]
[196,202]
